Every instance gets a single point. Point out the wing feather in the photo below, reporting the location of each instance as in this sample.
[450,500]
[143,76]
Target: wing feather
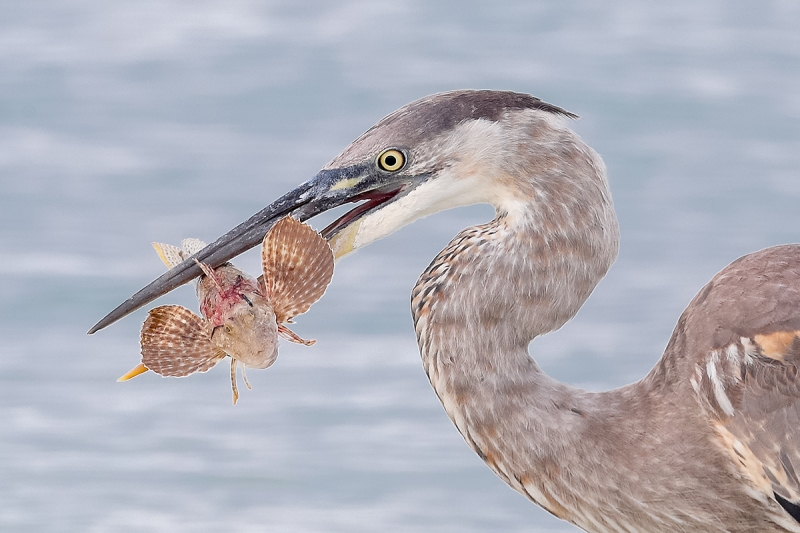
[755,399]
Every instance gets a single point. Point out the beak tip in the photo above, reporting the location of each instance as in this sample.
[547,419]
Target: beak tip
[246,235]
[109,319]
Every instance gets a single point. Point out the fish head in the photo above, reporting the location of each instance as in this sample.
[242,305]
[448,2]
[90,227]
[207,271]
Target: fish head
[248,332]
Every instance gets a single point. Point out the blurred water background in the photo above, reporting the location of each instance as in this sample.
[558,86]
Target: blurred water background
[126,123]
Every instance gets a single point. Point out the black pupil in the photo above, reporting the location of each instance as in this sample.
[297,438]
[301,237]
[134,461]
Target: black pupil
[390,160]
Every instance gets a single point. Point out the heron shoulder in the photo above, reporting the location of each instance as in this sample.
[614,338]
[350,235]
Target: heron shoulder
[752,306]
[738,346]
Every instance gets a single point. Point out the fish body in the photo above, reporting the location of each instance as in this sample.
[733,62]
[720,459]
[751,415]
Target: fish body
[242,317]
[242,321]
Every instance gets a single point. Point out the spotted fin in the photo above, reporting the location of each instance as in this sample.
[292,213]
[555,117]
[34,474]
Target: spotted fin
[172,256]
[176,342]
[298,266]
[191,246]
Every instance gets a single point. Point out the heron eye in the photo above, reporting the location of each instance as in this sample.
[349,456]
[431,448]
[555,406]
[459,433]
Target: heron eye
[391,160]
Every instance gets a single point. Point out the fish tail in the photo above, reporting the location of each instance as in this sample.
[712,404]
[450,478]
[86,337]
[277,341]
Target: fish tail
[133,372]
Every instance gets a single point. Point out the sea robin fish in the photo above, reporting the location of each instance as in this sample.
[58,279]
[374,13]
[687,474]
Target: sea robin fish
[242,316]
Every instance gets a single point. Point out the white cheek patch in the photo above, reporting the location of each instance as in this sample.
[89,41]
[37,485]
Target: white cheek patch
[444,192]
[470,179]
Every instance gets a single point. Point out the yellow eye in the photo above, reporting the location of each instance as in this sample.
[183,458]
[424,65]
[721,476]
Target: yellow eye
[391,160]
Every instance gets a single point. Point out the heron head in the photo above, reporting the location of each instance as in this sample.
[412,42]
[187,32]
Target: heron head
[443,151]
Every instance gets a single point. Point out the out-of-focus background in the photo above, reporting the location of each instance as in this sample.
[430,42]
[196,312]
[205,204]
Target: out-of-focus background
[126,123]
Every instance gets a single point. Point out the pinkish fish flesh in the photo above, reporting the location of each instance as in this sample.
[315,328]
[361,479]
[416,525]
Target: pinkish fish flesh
[242,316]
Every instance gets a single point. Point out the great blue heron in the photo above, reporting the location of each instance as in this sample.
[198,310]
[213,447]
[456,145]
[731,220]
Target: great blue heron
[708,441]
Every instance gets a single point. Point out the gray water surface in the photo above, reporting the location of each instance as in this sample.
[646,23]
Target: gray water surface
[126,124]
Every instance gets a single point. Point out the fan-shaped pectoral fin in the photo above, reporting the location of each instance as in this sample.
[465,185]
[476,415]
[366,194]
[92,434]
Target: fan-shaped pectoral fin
[298,266]
[176,342]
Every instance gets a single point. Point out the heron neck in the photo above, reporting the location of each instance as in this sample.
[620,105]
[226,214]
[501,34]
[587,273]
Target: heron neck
[476,308]
[499,285]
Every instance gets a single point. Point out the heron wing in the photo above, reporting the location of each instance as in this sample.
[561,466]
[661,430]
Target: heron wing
[746,323]
[767,420]
[753,388]
[298,266]
[176,342]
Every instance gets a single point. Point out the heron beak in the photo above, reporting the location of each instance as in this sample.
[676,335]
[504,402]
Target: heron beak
[328,189]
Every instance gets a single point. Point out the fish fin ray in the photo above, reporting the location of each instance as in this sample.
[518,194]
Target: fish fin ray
[244,376]
[234,388]
[290,335]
